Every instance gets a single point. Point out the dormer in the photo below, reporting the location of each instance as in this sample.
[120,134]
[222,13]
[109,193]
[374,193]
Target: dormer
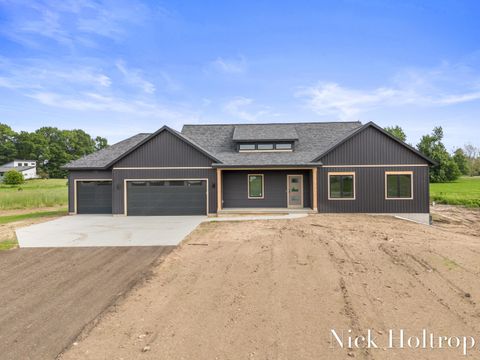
[264,138]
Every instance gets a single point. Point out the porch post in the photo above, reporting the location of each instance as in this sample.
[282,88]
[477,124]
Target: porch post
[315,189]
[219,190]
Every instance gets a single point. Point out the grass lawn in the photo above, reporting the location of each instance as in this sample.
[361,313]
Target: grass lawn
[8,244]
[465,191]
[33,215]
[33,194]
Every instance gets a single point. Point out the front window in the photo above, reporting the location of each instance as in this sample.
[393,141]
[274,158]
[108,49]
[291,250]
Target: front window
[399,185]
[341,186]
[255,186]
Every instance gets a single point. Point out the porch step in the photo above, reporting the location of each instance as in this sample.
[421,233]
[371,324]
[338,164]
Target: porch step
[263,211]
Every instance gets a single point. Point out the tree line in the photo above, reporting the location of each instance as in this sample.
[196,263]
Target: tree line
[51,147]
[463,161]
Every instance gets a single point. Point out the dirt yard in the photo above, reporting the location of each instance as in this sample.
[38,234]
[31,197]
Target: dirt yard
[275,289]
[48,296]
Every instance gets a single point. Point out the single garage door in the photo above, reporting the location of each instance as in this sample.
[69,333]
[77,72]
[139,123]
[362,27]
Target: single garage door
[94,197]
[167,197]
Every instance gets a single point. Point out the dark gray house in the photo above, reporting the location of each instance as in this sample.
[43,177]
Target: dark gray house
[326,167]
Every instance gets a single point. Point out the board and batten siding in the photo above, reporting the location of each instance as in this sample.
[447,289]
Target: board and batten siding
[370,191]
[83,175]
[235,188]
[372,147]
[165,150]
[119,176]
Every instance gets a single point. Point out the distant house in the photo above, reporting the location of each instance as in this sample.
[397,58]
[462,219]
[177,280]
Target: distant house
[27,167]
[332,167]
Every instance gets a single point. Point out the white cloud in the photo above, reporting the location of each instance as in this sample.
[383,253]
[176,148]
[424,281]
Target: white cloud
[102,103]
[442,86]
[243,108]
[70,22]
[135,77]
[230,66]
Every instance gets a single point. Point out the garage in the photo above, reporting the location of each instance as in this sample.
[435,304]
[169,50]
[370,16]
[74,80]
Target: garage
[166,197]
[94,197]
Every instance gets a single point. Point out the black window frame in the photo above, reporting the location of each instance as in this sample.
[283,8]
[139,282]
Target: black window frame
[342,175]
[398,174]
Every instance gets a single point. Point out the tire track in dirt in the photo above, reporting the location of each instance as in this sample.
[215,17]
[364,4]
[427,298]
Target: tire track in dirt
[400,262]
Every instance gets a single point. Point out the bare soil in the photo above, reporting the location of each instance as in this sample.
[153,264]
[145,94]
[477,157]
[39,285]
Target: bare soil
[7,231]
[274,290]
[49,296]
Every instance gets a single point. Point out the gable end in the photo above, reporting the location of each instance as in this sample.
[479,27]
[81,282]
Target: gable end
[372,145]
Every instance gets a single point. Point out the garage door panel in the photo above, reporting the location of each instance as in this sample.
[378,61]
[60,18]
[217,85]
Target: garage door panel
[177,197]
[94,197]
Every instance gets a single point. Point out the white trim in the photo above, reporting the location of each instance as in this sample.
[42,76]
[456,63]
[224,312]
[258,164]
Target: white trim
[399,173]
[164,168]
[274,150]
[373,165]
[75,191]
[263,187]
[335,173]
[226,168]
[288,191]
[125,212]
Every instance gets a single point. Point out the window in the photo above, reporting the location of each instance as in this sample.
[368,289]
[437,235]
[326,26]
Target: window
[247,147]
[255,186]
[399,185]
[287,146]
[265,146]
[341,186]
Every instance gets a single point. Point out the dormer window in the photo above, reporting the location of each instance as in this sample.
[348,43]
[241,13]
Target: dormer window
[266,147]
[246,147]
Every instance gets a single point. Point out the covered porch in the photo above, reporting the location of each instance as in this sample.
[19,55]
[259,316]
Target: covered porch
[261,190]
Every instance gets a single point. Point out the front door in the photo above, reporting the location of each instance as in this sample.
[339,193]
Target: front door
[295,191]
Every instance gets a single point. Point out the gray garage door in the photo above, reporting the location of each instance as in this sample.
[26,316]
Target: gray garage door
[166,197]
[94,197]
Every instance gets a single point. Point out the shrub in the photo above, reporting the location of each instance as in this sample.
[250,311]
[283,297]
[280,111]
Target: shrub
[13,177]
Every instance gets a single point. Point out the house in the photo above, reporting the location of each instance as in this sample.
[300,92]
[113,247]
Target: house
[27,167]
[326,167]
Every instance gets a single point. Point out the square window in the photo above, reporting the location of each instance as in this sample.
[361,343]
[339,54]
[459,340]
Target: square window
[341,186]
[255,186]
[399,185]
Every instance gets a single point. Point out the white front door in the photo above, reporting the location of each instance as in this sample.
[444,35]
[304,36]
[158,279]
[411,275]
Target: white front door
[295,191]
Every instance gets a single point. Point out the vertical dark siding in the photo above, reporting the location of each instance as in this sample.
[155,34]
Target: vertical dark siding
[163,150]
[370,191]
[120,175]
[371,147]
[235,188]
[84,174]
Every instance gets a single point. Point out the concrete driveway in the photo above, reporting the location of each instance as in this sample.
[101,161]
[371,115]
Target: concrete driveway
[107,230]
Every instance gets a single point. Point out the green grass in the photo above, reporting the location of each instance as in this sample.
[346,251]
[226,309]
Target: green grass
[38,214]
[32,194]
[8,244]
[465,191]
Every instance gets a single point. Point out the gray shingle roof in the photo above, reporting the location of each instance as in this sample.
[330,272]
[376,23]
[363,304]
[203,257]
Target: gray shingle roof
[266,132]
[104,157]
[18,168]
[313,140]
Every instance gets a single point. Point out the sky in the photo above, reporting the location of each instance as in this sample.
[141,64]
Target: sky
[117,68]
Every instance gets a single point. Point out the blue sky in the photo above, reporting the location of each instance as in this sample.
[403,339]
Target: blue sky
[116,68]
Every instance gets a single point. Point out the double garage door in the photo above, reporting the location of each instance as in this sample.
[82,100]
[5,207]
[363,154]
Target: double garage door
[152,197]
[166,197]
